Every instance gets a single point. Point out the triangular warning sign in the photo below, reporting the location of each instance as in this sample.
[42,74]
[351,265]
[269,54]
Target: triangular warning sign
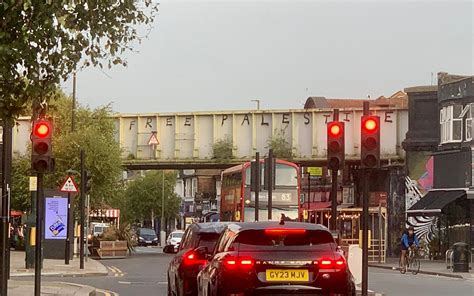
[69,185]
[153,140]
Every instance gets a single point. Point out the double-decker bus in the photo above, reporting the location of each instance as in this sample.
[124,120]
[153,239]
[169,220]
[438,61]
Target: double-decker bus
[238,202]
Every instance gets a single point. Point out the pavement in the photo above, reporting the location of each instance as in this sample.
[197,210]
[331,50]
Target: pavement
[22,282]
[26,288]
[428,267]
[54,267]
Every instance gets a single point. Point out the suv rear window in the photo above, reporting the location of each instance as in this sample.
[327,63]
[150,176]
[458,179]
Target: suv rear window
[260,240]
[207,240]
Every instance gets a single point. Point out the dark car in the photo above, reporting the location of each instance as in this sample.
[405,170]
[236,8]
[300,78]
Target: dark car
[197,244]
[270,258]
[147,237]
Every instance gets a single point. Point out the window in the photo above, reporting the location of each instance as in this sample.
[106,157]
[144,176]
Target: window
[469,125]
[251,240]
[451,127]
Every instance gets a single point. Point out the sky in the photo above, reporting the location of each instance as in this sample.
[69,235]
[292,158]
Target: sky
[221,55]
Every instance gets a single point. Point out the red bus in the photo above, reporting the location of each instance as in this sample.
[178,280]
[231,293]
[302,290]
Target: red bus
[238,203]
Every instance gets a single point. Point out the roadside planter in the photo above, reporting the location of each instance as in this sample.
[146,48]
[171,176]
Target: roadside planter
[109,249]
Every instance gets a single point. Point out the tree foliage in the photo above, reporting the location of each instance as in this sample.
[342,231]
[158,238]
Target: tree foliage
[143,197]
[222,150]
[42,42]
[95,134]
[20,195]
[281,147]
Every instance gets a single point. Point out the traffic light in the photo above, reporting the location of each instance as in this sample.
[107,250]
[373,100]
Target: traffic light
[41,148]
[270,173]
[88,181]
[335,147]
[370,141]
[255,178]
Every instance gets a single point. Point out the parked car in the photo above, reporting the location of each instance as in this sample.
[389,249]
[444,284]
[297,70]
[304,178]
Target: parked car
[175,237]
[268,258]
[147,237]
[197,244]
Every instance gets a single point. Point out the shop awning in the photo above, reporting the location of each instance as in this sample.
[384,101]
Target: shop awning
[434,202]
[319,205]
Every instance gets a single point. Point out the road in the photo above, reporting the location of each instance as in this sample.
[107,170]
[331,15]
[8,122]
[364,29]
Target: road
[145,274]
[142,274]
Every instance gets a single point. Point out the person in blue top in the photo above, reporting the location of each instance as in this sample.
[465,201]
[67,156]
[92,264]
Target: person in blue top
[409,240]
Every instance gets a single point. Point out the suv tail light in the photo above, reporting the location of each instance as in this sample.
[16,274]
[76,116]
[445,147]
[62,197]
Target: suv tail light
[337,265]
[243,263]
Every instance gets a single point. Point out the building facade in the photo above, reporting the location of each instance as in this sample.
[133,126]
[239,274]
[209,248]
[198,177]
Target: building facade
[439,152]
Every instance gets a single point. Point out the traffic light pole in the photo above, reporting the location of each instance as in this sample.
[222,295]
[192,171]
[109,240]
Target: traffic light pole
[365,232]
[5,205]
[39,232]
[334,172]
[270,184]
[82,209]
[334,199]
[365,220]
[257,186]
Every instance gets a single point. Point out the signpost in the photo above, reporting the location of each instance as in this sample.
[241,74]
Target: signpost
[68,186]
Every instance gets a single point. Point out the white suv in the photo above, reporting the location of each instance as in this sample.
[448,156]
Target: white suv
[175,237]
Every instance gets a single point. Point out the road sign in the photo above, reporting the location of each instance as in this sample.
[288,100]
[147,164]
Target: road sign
[153,139]
[33,183]
[315,171]
[69,185]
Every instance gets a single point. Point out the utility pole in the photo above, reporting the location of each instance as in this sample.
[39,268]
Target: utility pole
[82,208]
[162,228]
[73,113]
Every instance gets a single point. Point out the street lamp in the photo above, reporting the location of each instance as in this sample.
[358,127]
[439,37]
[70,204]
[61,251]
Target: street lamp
[258,103]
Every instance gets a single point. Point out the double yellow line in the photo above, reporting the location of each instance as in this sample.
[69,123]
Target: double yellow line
[107,293]
[117,272]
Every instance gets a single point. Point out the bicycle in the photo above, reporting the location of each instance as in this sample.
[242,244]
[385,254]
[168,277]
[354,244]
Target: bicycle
[412,263]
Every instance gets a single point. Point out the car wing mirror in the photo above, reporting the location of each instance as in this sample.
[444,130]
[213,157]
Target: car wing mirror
[170,249]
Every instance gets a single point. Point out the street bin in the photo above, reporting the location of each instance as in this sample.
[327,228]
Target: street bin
[461,257]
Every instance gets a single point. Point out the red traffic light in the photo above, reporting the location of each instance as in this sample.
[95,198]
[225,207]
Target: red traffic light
[370,125]
[334,130]
[42,129]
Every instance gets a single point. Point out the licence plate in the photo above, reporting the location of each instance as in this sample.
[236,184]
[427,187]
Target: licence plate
[287,275]
[148,242]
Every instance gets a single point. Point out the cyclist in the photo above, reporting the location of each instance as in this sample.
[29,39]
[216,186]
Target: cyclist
[409,240]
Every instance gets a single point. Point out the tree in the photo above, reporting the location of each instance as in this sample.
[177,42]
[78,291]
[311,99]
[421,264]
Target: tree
[95,134]
[281,147]
[143,197]
[42,42]
[20,194]
[222,150]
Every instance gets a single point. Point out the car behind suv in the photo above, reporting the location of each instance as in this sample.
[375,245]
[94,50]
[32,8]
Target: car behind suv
[147,237]
[196,245]
[268,258]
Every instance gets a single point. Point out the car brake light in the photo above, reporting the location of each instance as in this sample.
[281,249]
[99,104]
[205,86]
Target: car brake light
[247,262]
[242,262]
[230,262]
[191,258]
[326,263]
[283,231]
[339,263]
